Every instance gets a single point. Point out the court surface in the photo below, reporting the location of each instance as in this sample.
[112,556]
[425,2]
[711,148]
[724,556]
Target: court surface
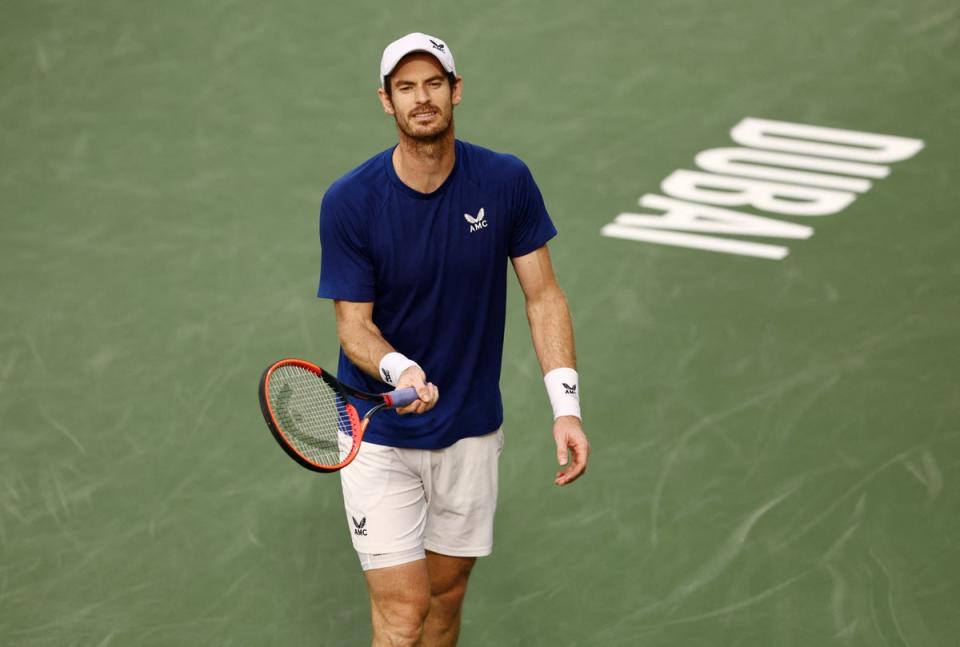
[776,442]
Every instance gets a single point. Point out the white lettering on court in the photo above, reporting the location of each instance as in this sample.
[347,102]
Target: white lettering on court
[781,168]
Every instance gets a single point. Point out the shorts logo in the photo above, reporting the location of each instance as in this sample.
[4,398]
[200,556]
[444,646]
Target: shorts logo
[477,223]
[358,526]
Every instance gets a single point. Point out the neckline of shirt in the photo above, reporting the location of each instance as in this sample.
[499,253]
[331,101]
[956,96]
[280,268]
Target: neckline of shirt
[410,191]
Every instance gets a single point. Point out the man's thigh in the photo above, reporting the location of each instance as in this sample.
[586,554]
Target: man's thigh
[404,590]
[399,596]
[448,573]
[385,503]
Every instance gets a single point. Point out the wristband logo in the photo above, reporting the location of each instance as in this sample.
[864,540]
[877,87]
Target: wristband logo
[386,376]
[569,390]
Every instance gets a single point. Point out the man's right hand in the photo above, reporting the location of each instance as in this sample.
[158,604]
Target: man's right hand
[427,392]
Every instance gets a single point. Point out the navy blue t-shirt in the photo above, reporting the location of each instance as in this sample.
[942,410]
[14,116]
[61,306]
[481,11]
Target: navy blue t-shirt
[435,267]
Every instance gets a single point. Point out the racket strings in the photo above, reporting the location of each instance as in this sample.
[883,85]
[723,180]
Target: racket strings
[311,414]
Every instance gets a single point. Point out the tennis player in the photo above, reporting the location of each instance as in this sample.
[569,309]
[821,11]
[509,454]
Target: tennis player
[415,248]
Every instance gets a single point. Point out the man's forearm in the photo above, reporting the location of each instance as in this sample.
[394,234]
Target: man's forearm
[361,340]
[552,329]
[365,346]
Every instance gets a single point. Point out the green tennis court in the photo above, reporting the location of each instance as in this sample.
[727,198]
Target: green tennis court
[776,442]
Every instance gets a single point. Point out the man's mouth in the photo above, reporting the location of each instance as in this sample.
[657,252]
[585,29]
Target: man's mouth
[424,115]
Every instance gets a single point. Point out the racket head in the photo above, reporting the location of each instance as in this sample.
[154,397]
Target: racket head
[309,416]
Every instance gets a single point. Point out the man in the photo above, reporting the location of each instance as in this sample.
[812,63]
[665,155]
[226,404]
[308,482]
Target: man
[415,244]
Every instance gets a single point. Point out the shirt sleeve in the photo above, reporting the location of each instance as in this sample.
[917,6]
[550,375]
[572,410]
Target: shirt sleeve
[346,268]
[532,227]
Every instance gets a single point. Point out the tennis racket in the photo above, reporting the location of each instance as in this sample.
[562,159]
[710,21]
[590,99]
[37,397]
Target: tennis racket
[308,413]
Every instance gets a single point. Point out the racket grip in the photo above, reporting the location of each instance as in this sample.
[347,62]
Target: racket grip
[401,397]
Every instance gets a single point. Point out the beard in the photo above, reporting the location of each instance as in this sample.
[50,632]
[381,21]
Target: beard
[432,133]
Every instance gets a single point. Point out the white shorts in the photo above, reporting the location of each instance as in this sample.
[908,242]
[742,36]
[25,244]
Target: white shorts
[400,502]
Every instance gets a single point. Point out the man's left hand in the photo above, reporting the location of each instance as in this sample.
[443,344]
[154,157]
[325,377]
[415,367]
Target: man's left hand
[568,433]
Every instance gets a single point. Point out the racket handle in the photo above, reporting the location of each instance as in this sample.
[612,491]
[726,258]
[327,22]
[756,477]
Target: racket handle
[401,397]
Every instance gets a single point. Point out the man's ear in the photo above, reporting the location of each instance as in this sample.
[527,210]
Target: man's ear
[456,95]
[386,101]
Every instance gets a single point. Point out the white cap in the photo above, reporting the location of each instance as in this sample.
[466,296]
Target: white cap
[415,42]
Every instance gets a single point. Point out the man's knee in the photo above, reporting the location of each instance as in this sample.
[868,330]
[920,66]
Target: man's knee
[400,621]
[400,602]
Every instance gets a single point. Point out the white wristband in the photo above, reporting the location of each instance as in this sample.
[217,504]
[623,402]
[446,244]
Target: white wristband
[563,388]
[392,365]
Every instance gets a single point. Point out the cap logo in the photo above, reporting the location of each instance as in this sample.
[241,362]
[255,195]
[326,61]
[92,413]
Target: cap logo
[437,46]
